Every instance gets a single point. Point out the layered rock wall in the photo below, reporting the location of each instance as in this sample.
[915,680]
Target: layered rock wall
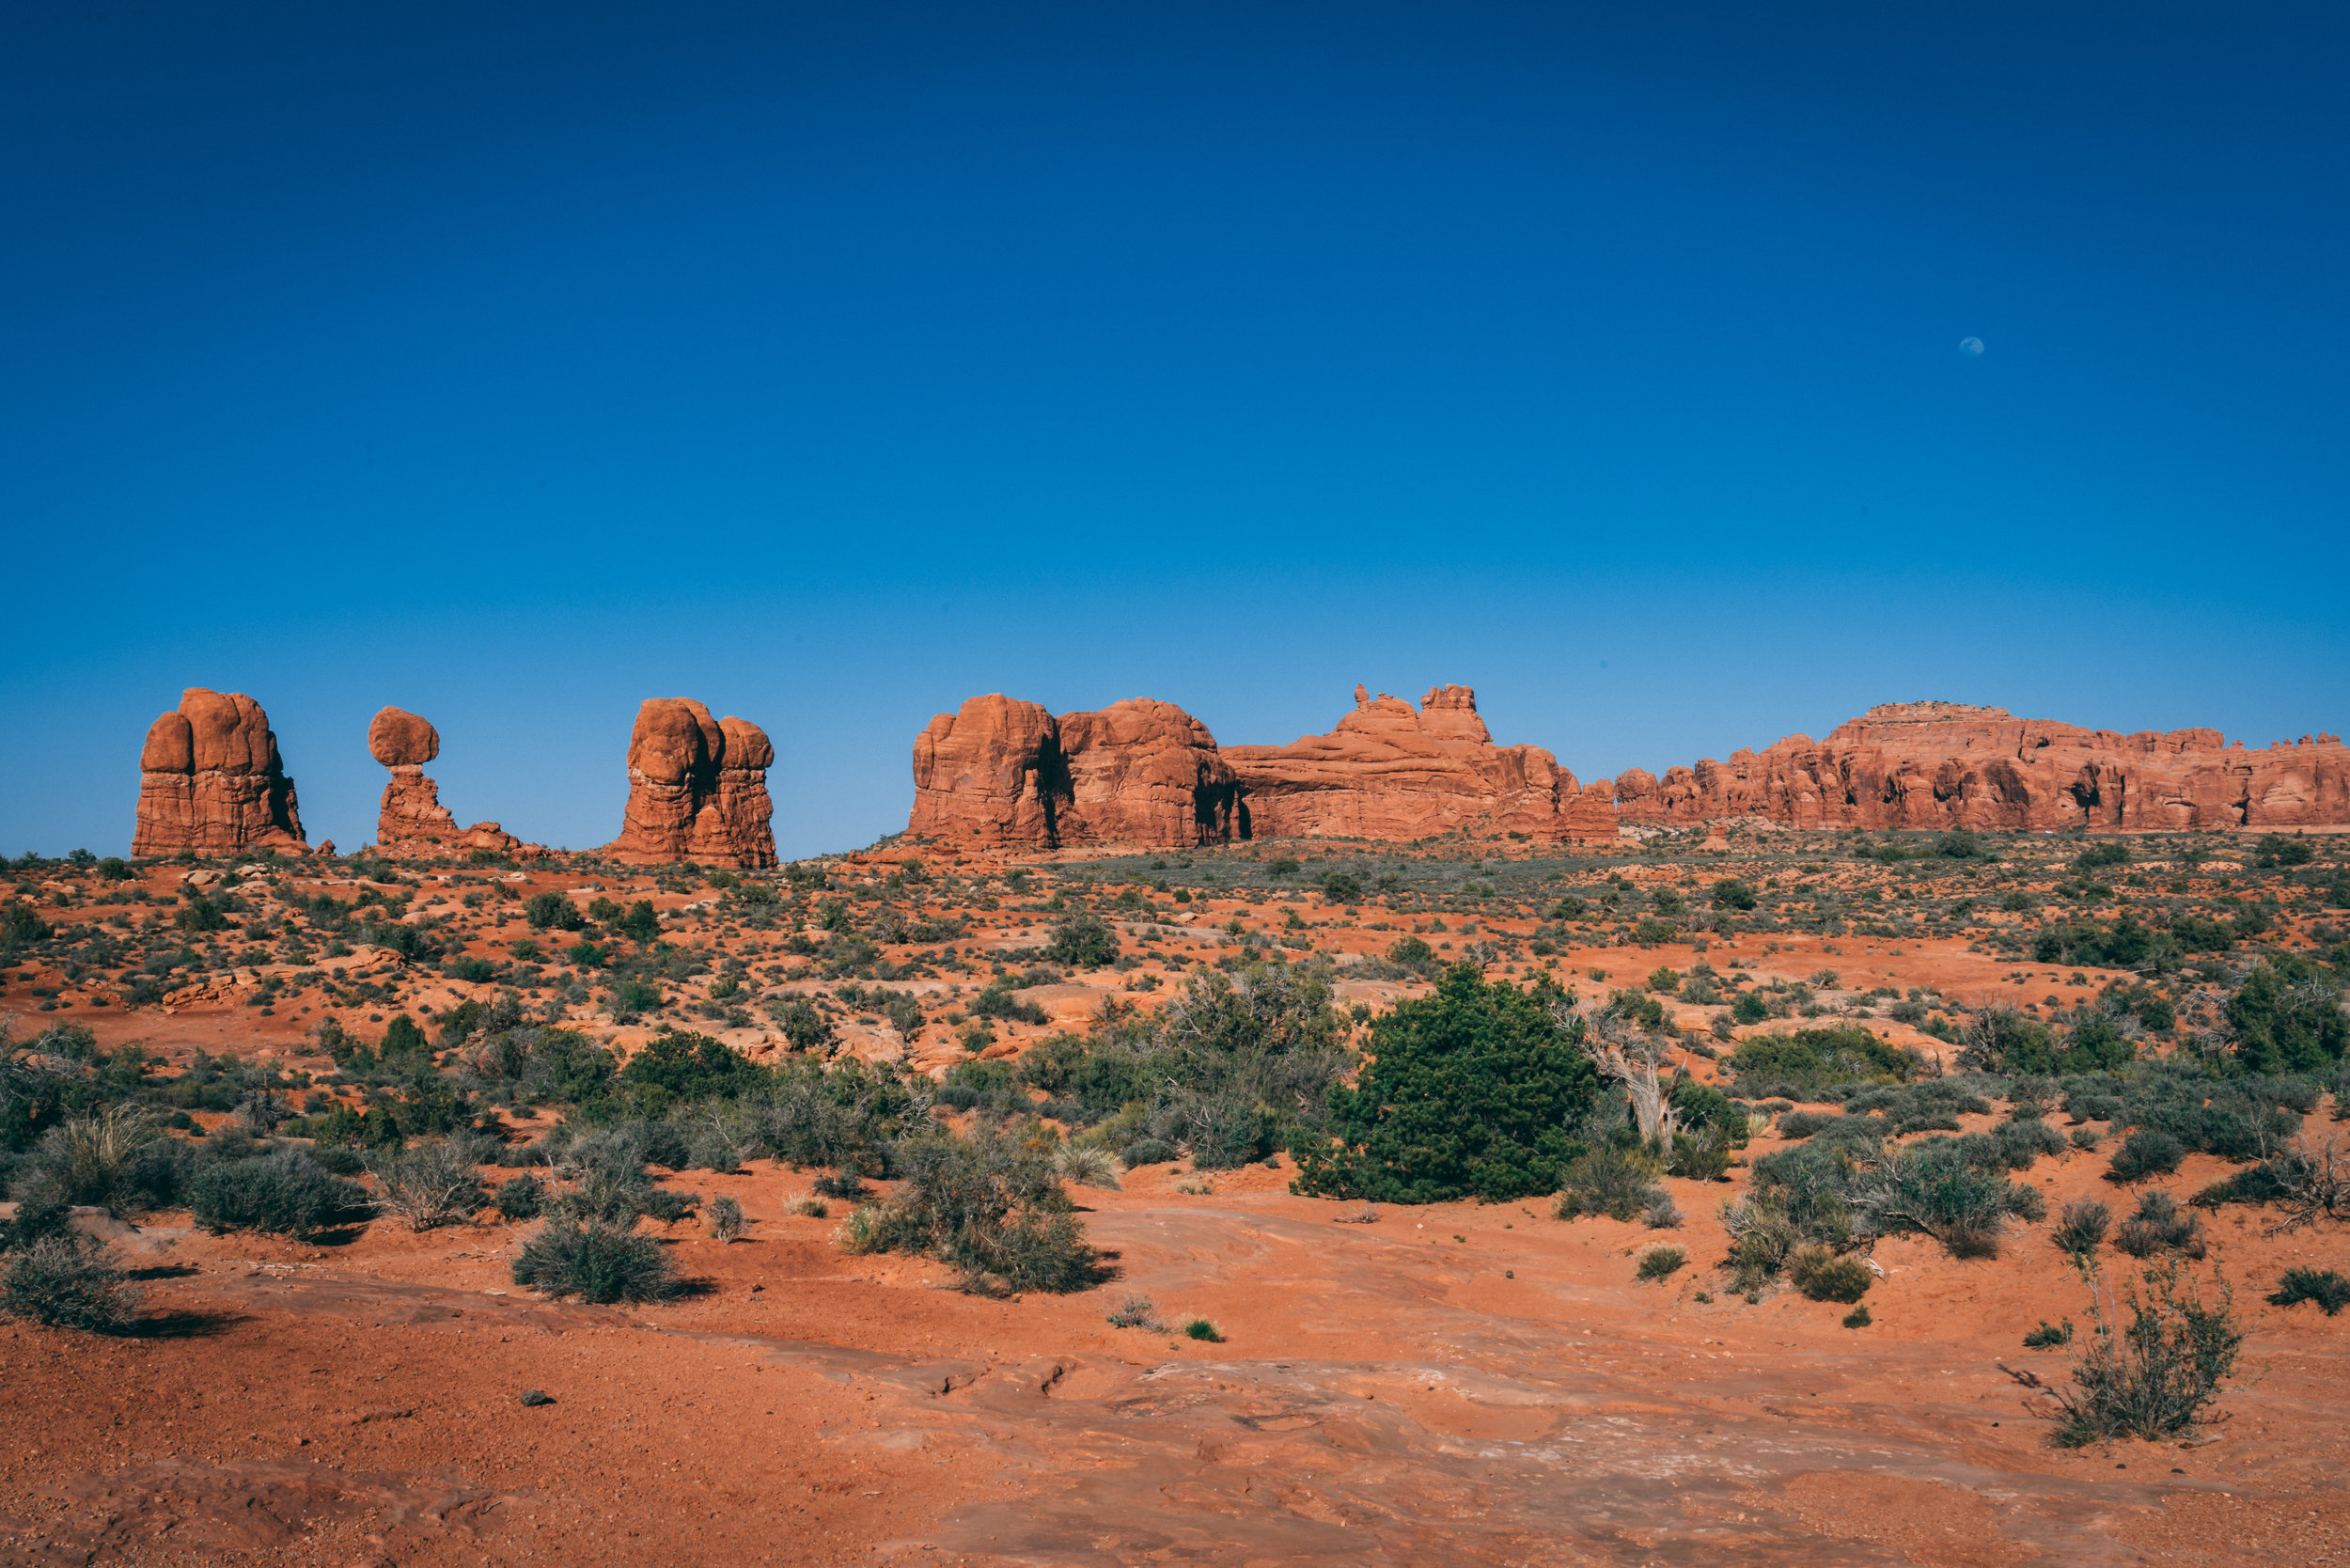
[1006,773]
[211,781]
[410,821]
[1390,771]
[697,789]
[1942,765]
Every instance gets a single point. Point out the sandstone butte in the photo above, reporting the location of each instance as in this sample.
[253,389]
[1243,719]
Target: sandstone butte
[211,781]
[412,822]
[1005,773]
[697,789]
[1949,765]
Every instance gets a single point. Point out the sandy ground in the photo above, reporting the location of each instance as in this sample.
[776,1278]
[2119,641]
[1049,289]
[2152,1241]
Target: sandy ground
[1455,1384]
[1449,1384]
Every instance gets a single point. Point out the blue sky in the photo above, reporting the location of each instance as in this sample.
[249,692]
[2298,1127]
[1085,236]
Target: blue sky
[833,363]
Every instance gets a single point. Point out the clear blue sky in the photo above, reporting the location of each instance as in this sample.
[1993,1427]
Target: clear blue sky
[830,363]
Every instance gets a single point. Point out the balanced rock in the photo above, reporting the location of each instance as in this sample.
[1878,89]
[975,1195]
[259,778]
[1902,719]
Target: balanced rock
[1393,772]
[1942,765]
[1000,772]
[211,781]
[410,821]
[697,789]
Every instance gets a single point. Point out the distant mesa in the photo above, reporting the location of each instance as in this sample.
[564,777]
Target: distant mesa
[211,781]
[697,789]
[1004,772]
[411,824]
[1953,765]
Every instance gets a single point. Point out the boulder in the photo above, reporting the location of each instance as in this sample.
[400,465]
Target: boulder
[1941,766]
[211,781]
[697,789]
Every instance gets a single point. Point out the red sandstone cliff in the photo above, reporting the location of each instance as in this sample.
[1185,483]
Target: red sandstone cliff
[411,821]
[1003,772]
[1006,773]
[1944,765]
[1389,770]
[697,789]
[211,781]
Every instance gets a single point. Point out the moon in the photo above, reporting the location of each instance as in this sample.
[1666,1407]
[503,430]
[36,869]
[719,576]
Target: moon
[1971,347]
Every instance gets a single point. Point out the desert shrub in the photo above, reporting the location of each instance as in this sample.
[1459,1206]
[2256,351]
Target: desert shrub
[430,1186]
[2147,1151]
[65,1282]
[725,1220]
[1931,1186]
[1086,1166]
[1658,1263]
[552,911]
[1662,1214]
[2158,1226]
[1825,1276]
[1470,1093]
[1858,1317]
[1731,893]
[1610,1180]
[1934,1105]
[678,1066]
[2091,1104]
[1083,942]
[2025,1202]
[2288,1018]
[1200,1329]
[283,1193]
[1147,1150]
[597,1262]
[1801,1064]
[1136,1312]
[1410,952]
[2327,1288]
[521,1198]
[2081,1227]
[94,1159]
[2084,1139]
[2153,1379]
[990,1205]
[1763,1236]
[1703,1109]
[2018,1143]
[1802,1124]
[2049,1336]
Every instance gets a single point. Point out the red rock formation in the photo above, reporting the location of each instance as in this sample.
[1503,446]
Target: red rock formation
[211,781]
[412,822]
[1006,773]
[1945,765]
[1390,772]
[697,789]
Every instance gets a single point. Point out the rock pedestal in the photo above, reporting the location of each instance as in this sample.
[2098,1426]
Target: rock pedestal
[697,789]
[410,822]
[211,781]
